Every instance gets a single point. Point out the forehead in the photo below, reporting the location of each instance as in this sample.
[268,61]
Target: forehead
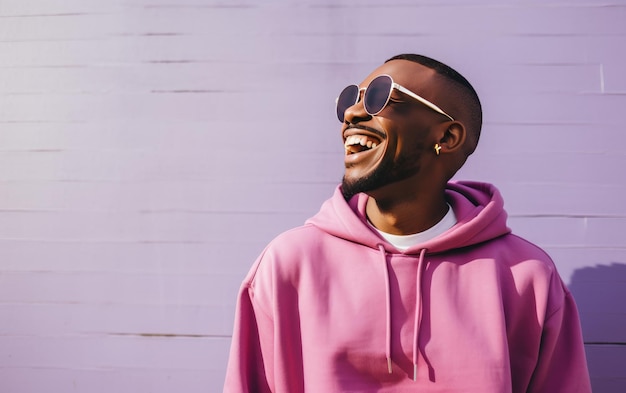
[407,73]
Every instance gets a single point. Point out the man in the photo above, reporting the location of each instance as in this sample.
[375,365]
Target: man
[404,282]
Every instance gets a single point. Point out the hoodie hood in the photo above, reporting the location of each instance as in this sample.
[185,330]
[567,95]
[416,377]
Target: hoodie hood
[478,207]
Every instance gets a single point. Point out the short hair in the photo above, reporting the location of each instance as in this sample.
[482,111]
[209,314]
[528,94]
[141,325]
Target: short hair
[474,114]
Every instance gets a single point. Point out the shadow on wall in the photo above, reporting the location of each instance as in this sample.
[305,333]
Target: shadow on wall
[600,294]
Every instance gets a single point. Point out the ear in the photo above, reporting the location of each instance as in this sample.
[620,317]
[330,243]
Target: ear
[453,138]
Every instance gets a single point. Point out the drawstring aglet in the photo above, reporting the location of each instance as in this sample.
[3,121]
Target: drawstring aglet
[389,365]
[414,372]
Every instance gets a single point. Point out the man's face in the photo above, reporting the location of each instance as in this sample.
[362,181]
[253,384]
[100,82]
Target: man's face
[391,146]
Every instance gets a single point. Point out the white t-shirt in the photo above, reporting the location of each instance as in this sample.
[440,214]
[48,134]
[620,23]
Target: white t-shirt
[402,242]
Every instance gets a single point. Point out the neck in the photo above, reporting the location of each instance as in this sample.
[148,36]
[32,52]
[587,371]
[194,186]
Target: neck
[408,214]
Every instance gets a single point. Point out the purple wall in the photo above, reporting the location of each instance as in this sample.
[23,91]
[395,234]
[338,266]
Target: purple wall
[149,149]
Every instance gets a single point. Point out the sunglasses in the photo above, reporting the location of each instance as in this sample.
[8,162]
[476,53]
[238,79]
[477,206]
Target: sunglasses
[376,97]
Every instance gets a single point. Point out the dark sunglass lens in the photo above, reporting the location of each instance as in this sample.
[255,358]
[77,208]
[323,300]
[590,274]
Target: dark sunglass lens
[377,94]
[348,97]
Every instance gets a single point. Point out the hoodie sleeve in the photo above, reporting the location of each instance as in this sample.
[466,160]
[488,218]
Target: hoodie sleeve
[265,353]
[562,366]
[252,341]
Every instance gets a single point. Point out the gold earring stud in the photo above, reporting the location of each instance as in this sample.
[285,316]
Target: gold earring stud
[437,148]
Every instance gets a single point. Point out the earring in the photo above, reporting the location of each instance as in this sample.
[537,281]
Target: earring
[437,148]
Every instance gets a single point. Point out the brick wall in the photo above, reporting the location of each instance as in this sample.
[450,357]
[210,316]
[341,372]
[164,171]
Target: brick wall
[149,149]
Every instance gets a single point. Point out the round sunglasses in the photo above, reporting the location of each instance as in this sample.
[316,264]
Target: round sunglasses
[376,97]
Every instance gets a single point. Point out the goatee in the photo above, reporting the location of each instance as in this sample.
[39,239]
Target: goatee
[386,173]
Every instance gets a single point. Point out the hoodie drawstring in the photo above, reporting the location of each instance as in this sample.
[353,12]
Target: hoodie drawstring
[388,307]
[418,309]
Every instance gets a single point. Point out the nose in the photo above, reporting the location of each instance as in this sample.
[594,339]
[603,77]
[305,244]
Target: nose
[356,113]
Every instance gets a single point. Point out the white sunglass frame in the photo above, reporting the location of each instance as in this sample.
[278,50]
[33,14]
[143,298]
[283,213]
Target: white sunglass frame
[404,90]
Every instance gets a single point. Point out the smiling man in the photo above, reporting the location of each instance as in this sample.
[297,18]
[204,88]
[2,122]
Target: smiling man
[405,281]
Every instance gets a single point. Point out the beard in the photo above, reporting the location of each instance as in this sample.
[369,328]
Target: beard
[386,173]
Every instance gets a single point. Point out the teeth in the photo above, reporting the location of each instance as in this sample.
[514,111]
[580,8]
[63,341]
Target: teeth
[355,140]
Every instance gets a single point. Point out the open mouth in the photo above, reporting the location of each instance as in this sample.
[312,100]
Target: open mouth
[358,143]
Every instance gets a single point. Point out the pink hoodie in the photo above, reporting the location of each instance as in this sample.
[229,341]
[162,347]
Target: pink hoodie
[332,307]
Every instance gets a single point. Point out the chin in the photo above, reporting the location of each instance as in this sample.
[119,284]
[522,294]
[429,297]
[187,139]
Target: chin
[351,186]
[382,176]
